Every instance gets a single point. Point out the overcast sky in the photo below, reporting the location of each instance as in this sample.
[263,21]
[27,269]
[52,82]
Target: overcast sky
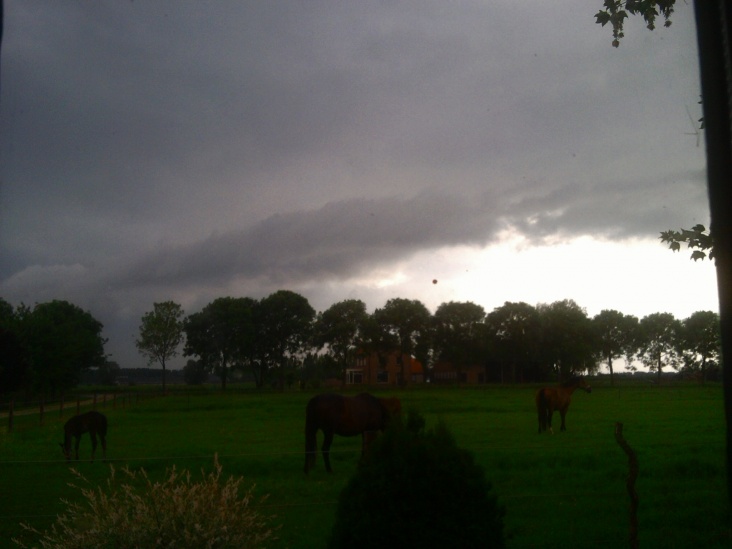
[181,150]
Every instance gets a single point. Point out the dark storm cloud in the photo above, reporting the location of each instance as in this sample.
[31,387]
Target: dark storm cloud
[182,147]
[339,240]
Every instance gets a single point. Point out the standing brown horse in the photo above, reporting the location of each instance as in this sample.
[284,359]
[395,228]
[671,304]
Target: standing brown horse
[93,423]
[335,414]
[549,399]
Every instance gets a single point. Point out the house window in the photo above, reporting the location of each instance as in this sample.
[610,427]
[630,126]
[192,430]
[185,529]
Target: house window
[354,377]
[382,376]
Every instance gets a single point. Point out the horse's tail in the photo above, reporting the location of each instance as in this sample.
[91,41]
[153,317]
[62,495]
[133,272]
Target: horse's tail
[311,429]
[542,409]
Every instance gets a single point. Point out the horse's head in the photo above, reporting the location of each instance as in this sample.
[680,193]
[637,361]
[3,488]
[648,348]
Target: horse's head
[66,450]
[393,406]
[577,382]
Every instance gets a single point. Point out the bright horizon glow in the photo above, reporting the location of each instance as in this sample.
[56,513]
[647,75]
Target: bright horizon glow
[636,277]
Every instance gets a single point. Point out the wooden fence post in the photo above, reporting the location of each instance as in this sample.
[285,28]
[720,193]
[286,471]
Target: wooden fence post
[630,483]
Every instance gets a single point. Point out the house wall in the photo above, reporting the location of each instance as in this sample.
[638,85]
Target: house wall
[385,369]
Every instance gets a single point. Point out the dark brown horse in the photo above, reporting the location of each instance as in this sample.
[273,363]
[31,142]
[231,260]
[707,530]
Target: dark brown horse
[335,414]
[551,399]
[93,423]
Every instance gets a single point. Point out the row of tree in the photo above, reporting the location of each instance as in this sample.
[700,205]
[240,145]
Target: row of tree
[280,338]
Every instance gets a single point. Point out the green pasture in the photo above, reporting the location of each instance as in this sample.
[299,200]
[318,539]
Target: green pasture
[565,490]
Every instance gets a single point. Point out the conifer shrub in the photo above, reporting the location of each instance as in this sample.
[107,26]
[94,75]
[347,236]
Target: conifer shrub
[175,512]
[416,488]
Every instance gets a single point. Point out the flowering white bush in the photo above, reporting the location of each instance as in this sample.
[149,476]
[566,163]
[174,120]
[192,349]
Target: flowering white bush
[174,512]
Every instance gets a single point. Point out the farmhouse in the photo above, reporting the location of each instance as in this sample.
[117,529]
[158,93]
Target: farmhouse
[391,368]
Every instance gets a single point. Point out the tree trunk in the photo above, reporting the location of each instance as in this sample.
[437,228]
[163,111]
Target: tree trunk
[610,366]
[704,370]
[714,27]
[162,362]
[659,368]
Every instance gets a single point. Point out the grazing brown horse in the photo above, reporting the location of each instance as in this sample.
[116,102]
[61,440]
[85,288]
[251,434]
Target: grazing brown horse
[335,414]
[93,423]
[551,399]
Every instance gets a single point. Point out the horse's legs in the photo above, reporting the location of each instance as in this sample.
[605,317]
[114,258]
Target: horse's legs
[327,441]
[542,421]
[367,437]
[549,414]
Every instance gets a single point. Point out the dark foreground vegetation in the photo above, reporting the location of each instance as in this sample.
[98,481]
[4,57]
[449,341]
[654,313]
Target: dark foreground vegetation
[565,490]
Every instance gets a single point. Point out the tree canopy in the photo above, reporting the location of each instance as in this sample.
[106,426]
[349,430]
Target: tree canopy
[615,333]
[406,320]
[340,328]
[658,342]
[280,339]
[60,342]
[161,333]
[221,335]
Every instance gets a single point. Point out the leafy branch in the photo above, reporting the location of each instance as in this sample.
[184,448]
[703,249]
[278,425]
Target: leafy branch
[616,12]
[697,239]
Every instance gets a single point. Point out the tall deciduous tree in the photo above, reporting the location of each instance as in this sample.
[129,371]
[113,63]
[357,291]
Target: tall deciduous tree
[614,332]
[514,329]
[62,342]
[456,333]
[161,333]
[406,320]
[658,343]
[221,334]
[567,342]
[340,329]
[14,371]
[701,344]
[286,321]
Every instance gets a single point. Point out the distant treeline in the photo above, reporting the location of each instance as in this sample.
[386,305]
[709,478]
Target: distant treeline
[281,341]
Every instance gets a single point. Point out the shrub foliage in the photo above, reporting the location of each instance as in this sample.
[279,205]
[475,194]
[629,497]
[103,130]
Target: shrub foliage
[416,488]
[174,512]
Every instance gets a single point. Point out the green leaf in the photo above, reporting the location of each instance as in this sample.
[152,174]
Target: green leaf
[602,18]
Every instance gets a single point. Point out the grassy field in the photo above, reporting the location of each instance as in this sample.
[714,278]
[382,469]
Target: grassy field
[565,490]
